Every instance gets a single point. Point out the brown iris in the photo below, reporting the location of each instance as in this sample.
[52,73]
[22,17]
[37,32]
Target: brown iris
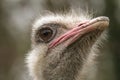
[44,34]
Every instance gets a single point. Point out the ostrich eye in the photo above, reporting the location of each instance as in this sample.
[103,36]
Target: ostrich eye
[45,34]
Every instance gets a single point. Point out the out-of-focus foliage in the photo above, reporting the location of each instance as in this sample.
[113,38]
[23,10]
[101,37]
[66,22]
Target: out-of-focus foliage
[16,17]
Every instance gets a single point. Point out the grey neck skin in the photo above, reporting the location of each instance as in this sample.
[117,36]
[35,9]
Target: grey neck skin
[64,68]
[65,65]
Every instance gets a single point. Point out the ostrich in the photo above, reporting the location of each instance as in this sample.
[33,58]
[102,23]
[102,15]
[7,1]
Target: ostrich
[64,46]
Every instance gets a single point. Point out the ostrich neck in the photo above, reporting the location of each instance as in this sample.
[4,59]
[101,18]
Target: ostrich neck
[64,67]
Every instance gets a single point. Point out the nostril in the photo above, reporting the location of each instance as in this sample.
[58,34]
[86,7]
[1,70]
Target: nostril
[83,22]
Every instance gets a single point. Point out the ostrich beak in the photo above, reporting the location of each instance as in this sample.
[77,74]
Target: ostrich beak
[85,27]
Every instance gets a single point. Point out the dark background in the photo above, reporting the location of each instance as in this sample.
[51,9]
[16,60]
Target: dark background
[16,18]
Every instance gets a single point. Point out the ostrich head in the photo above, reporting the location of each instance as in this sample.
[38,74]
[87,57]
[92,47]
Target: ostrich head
[63,45]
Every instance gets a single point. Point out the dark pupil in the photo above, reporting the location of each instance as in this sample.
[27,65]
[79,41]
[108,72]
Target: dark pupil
[45,34]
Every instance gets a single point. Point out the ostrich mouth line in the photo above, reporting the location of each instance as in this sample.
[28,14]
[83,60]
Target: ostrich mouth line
[85,27]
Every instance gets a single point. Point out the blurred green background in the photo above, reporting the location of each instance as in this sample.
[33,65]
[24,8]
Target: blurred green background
[16,18]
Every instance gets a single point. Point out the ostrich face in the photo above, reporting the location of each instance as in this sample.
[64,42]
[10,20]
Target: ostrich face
[62,44]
